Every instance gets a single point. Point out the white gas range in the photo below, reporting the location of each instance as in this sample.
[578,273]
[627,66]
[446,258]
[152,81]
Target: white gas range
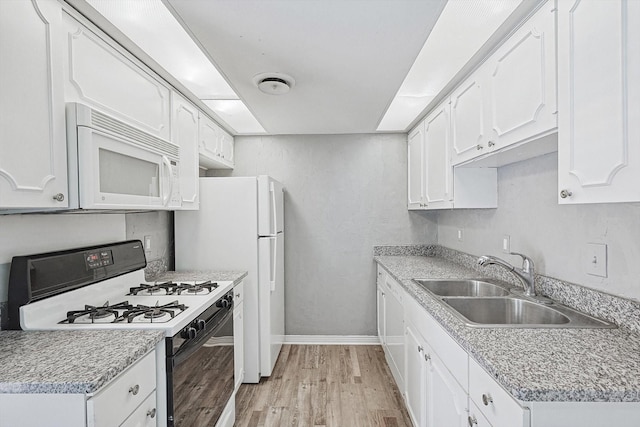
[103,287]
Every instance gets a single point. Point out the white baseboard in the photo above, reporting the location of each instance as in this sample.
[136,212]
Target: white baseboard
[332,339]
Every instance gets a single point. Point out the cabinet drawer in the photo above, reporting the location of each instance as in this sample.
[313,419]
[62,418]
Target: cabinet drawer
[500,409]
[440,341]
[394,288]
[476,417]
[146,415]
[124,394]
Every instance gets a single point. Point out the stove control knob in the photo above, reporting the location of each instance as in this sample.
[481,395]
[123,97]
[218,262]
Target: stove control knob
[189,333]
[223,302]
[200,324]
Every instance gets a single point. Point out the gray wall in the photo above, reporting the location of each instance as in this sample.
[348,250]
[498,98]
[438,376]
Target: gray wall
[159,226]
[344,194]
[554,236]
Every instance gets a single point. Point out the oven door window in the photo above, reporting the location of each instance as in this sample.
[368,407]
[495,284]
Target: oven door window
[203,382]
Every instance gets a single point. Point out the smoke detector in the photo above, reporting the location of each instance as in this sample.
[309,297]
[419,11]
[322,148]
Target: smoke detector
[274,83]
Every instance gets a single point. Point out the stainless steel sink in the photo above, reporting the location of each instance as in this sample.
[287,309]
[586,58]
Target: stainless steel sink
[462,288]
[515,312]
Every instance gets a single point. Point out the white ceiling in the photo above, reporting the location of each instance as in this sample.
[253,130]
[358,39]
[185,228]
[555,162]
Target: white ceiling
[348,57]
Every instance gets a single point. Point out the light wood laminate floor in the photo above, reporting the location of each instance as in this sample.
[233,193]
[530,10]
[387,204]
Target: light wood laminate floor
[324,385]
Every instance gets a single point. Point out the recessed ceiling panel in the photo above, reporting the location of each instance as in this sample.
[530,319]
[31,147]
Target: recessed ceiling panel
[348,57]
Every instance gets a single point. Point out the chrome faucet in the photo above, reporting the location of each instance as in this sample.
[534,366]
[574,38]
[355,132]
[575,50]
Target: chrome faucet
[526,274]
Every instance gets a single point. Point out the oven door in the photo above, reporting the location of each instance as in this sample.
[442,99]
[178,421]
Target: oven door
[116,174]
[200,371]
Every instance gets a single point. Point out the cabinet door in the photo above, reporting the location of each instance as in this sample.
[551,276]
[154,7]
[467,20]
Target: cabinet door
[226,148]
[415,374]
[522,82]
[468,119]
[438,173]
[185,135]
[380,295]
[415,167]
[446,399]
[99,75]
[599,101]
[33,147]
[394,330]
[208,141]
[146,415]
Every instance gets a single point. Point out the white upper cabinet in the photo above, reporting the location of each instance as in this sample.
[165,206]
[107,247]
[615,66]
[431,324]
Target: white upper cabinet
[511,97]
[99,75]
[215,145]
[437,131]
[429,169]
[416,168]
[33,155]
[468,123]
[599,101]
[433,183]
[521,92]
[185,135]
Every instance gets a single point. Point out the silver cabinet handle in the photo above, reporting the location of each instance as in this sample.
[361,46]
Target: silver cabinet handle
[491,144]
[472,420]
[134,390]
[486,399]
[427,357]
[565,193]
[59,197]
[479,147]
[151,413]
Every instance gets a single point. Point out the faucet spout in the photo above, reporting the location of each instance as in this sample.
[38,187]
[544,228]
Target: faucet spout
[526,274]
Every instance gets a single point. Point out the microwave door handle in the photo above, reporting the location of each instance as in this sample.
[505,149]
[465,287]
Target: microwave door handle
[167,182]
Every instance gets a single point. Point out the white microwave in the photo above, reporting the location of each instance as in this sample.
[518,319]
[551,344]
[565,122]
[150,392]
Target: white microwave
[113,165]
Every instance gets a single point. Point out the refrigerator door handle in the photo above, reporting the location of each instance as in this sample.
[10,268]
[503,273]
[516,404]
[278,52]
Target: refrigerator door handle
[274,209]
[274,258]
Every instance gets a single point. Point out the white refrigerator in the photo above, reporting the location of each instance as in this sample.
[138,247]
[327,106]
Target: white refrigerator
[240,226]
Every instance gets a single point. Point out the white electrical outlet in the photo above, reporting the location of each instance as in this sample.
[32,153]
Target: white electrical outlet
[460,235]
[147,243]
[595,259]
[506,244]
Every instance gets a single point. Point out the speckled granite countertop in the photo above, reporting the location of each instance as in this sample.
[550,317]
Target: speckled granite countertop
[581,365]
[213,275]
[68,361]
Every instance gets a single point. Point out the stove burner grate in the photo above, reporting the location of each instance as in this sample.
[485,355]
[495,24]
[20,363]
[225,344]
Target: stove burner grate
[196,288]
[166,288]
[95,313]
[152,312]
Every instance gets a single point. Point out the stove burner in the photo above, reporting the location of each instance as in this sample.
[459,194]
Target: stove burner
[156,312]
[166,288]
[196,288]
[94,313]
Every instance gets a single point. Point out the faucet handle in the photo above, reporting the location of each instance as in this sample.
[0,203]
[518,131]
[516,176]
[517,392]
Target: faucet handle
[527,263]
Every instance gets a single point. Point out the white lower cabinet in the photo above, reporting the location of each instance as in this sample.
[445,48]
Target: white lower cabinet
[434,395]
[129,400]
[391,324]
[238,334]
[495,404]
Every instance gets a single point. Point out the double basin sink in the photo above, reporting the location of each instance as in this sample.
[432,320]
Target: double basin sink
[480,303]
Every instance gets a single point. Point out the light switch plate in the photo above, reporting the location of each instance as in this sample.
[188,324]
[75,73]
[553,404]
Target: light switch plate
[595,262]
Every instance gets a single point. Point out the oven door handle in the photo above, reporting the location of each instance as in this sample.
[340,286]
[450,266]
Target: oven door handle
[192,345]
